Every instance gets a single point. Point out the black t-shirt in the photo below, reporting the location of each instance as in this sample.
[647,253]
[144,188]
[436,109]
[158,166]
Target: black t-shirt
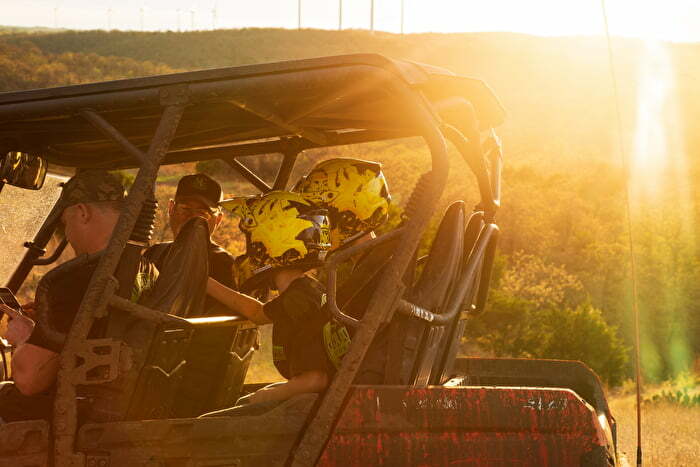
[66,291]
[298,319]
[221,268]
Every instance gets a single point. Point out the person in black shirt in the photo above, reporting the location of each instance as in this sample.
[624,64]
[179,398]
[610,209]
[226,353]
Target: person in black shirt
[356,194]
[199,196]
[89,208]
[286,237]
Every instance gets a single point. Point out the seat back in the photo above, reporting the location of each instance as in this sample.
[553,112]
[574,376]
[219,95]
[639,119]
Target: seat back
[182,284]
[153,355]
[218,358]
[413,345]
[449,346]
[353,298]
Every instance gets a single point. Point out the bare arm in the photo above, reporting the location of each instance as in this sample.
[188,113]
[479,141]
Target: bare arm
[34,368]
[241,303]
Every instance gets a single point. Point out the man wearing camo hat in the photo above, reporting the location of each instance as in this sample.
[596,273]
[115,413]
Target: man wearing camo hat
[88,210]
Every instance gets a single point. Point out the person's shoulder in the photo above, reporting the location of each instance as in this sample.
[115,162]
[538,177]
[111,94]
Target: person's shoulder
[157,249]
[304,289]
[74,271]
[220,253]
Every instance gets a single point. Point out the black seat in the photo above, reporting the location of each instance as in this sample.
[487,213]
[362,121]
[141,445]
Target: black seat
[218,359]
[414,345]
[157,352]
[449,346]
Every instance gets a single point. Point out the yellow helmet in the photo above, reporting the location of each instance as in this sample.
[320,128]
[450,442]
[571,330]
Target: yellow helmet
[281,229]
[355,193]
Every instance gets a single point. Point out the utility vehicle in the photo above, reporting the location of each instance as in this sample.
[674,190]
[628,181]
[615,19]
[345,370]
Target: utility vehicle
[131,397]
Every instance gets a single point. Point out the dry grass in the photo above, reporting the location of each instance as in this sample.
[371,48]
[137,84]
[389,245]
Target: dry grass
[670,433]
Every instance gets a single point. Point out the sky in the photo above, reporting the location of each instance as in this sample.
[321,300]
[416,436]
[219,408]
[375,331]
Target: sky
[674,20]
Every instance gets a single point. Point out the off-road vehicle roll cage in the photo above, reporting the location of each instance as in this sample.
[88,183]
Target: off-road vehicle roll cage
[285,108]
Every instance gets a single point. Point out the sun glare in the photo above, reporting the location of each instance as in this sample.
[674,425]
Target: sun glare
[661,196]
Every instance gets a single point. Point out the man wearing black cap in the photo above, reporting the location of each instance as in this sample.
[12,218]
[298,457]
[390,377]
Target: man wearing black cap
[87,212]
[199,196]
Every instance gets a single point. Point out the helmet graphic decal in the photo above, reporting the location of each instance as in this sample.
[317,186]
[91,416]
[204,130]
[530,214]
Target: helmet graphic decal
[281,229]
[354,191]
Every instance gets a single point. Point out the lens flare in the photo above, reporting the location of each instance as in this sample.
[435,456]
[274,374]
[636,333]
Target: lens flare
[661,199]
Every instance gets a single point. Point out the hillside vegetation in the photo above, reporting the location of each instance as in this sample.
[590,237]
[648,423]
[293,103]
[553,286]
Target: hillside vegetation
[562,286]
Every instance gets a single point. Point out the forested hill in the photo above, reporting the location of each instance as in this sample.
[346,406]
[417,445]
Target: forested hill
[562,285]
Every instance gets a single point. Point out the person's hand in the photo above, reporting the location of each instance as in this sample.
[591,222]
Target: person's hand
[29,309]
[19,326]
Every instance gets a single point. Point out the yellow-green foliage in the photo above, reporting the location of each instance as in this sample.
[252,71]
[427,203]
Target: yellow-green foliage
[25,66]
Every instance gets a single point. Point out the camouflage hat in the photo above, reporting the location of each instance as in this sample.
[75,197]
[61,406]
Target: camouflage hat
[91,186]
[87,186]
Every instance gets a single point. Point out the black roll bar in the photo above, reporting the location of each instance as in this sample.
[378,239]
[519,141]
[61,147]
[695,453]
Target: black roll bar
[54,256]
[338,258]
[35,249]
[97,121]
[248,174]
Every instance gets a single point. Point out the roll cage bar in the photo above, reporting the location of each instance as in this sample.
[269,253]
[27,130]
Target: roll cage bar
[148,122]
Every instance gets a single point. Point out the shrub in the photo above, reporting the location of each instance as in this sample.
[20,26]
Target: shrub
[519,328]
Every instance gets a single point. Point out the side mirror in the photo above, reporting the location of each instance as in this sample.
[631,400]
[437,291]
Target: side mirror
[23,170]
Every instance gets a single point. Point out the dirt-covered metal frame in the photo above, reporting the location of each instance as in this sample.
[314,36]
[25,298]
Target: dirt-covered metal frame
[429,103]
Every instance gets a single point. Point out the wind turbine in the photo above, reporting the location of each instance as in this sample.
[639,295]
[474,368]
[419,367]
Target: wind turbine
[371,16]
[299,15]
[193,12]
[214,14]
[178,20]
[402,15]
[142,16]
[57,5]
[340,15]
[109,18]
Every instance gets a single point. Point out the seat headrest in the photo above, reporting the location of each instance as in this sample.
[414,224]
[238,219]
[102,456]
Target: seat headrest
[443,261]
[181,286]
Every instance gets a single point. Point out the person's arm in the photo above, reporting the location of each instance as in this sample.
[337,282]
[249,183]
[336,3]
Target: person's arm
[34,368]
[241,303]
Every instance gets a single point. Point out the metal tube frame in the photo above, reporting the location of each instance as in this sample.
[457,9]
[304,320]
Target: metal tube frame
[35,250]
[104,127]
[248,174]
[54,256]
[285,170]
[390,287]
[103,285]
[100,292]
[315,437]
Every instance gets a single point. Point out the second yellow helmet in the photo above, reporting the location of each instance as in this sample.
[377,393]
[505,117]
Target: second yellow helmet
[354,191]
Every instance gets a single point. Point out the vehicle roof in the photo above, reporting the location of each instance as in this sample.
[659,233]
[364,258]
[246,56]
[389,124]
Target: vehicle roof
[245,110]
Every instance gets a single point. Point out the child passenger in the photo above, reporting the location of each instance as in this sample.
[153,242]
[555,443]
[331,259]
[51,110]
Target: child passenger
[286,236]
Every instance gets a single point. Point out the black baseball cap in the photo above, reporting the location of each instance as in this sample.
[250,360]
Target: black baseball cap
[200,187]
